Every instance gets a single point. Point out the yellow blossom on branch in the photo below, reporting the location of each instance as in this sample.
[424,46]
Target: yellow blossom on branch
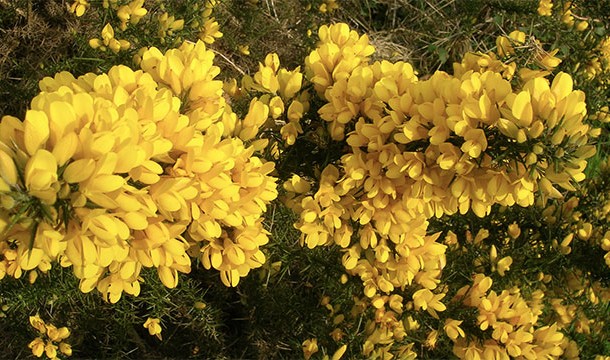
[153,325]
[108,41]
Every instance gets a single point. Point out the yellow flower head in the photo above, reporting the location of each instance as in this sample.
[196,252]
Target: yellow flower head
[545,7]
[78,7]
[310,347]
[109,41]
[153,325]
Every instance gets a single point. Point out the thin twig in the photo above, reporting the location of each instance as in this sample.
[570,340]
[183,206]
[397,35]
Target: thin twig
[230,62]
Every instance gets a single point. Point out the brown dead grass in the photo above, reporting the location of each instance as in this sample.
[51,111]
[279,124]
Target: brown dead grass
[35,36]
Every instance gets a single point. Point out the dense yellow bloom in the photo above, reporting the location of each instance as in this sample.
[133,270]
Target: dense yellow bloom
[144,176]
[287,105]
[339,52]
[512,320]
[387,191]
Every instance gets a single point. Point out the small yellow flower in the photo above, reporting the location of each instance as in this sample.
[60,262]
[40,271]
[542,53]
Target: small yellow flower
[50,350]
[65,349]
[79,7]
[453,330]
[427,300]
[131,13]
[431,339]
[8,170]
[545,7]
[340,352]
[504,265]
[37,346]
[210,31]
[310,347]
[582,25]
[41,176]
[244,49]
[154,327]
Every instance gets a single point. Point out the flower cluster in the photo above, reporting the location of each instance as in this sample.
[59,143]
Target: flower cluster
[170,28]
[386,328]
[209,30]
[512,321]
[418,149]
[114,172]
[54,339]
[328,6]
[282,96]
[108,41]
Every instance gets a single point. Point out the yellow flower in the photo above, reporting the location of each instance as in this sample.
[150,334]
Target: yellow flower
[453,330]
[37,323]
[431,339]
[78,7]
[310,347]
[503,265]
[131,13]
[8,170]
[548,60]
[426,300]
[65,349]
[518,36]
[545,7]
[38,347]
[154,327]
[244,49]
[168,24]
[109,41]
[504,47]
[582,25]
[338,354]
[476,142]
[210,31]
[50,350]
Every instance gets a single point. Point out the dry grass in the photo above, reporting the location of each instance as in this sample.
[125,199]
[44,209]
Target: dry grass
[36,40]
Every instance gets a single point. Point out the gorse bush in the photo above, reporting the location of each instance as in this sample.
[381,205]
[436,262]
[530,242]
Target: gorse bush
[351,205]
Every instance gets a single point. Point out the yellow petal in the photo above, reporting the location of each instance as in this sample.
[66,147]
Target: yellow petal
[105,183]
[168,276]
[65,148]
[235,255]
[79,170]
[8,170]
[30,258]
[562,85]
[36,130]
